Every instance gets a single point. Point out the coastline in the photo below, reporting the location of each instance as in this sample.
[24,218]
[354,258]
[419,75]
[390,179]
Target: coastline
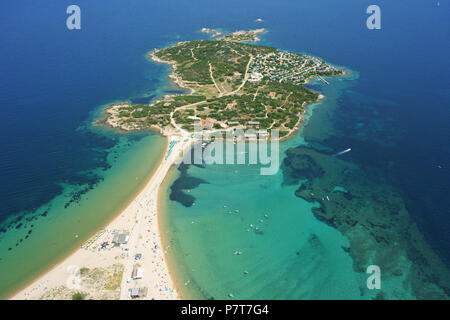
[358,183]
[66,233]
[172,75]
[178,81]
[56,275]
[183,291]
[165,238]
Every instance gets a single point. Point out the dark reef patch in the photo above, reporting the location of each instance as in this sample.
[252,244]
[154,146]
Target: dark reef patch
[179,190]
[90,183]
[92,157]
[300,167]
[143,100]
[372,215]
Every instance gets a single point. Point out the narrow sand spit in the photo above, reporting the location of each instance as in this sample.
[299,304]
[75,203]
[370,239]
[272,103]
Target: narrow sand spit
[140,220]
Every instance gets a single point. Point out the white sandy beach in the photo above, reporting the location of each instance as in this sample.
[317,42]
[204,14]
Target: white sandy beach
[140,219]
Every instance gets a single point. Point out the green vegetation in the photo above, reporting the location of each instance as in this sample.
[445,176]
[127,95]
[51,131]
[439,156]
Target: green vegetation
[281,110]
[84,271]
[228,60]
[234,82]
[78,296]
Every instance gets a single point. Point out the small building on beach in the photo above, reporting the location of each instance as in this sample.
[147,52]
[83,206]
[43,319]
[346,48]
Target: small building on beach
[138,292]
[137,273]
[120,239]
[262,132]
[250,136]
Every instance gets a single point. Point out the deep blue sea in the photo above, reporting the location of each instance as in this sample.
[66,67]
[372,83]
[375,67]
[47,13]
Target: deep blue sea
[54,82]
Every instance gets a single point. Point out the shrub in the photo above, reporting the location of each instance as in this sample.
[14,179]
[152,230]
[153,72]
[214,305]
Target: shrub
[78,296]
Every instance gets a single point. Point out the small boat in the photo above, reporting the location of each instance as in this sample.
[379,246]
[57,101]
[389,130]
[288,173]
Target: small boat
[342,152]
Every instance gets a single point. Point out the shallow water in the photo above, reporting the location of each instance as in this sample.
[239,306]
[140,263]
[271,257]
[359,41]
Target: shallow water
[394,117]
[40,238]
[285,240]
[322,220]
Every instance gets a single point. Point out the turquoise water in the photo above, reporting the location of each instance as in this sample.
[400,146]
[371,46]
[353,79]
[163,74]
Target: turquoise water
[286,252]
[232,230]
[62,176]
[291,256]
[40,238]
[394,117]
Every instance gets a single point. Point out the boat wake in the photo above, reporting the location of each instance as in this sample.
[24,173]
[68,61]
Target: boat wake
[342,152]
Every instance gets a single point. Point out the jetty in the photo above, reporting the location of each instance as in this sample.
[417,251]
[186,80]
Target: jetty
[323,80]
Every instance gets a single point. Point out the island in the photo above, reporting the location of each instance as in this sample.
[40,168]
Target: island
[230,84]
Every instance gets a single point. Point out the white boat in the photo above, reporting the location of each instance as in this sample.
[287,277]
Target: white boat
[344,151]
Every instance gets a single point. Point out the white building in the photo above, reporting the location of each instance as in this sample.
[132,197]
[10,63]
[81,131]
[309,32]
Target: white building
[255,76]
[138,273]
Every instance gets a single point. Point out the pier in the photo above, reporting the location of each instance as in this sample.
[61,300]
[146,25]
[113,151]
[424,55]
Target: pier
[323,80]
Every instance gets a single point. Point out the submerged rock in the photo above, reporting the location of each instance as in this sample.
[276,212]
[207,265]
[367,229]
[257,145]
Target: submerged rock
[371,213]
